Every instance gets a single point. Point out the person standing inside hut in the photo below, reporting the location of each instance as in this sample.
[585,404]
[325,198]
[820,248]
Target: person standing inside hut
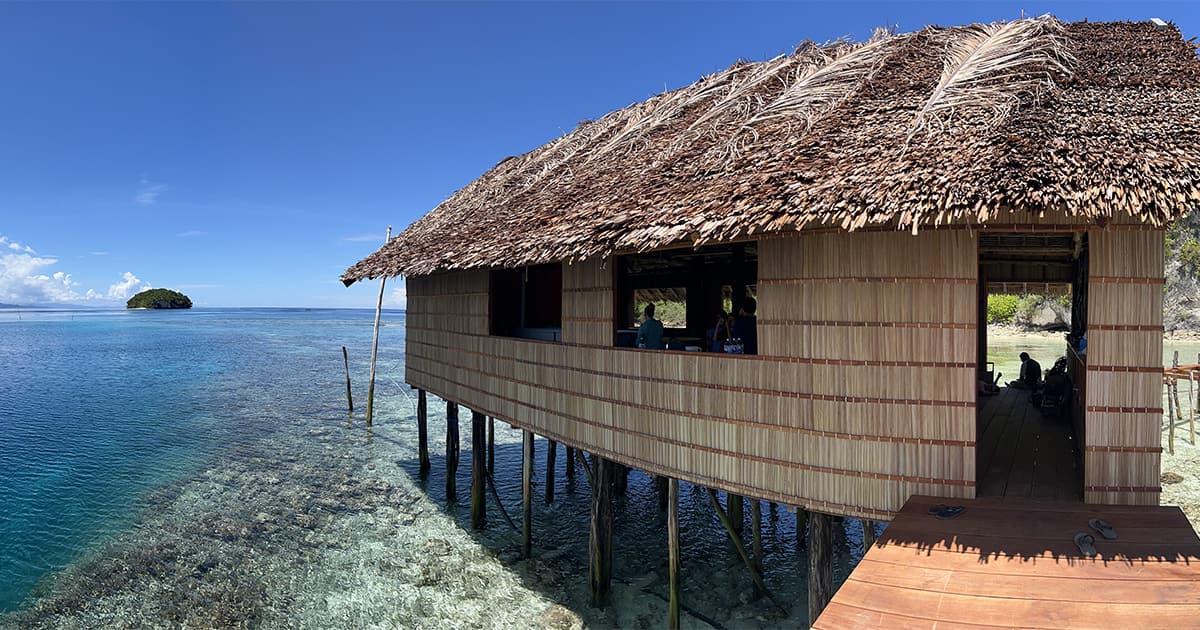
[745,327]
[650,333]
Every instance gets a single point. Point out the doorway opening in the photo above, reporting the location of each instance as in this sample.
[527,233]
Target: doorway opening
[1031,376]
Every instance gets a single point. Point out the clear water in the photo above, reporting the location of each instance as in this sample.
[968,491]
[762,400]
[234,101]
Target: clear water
[199,469]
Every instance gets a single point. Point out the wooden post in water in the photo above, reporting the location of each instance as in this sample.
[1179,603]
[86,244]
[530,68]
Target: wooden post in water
[600,539]
[737,513]
[868,528]
[551,454]
[349,396]
[423,431]
[526,493]
[756,547]
[820,564]
[570,462]
[491,445]
[478,471]
[375,341]
[673,550]
[663,486]
[801,528]
[451,451]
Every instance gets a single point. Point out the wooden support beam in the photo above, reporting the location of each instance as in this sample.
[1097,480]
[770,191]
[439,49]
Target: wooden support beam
[491,445]
[600,539]
[478,470]
[820,564]
[759,583]
[756,547]
[801,528]
[526,493]
[451,451]
[868,535]
[673,550]
[423,431]
[570,462]
[587,469]
[662,485]
[736,510]
[551,454]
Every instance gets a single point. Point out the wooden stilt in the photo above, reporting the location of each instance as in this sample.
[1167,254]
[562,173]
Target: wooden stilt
[1170,421]
[451,451]
[759,583]
[1191,407]
[820,564]
[570,462]
[672,496]
[423,431]
[756,547]
[801,528]
[527,493]
[478,471]
[587,469]
[662,484]
[737,512]
[600,540]
[868,535]
[349,396]
[491,445]
[620,477]
[551,454]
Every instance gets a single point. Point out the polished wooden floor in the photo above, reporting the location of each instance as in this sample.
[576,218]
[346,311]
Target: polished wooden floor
[1022,453]
[1013,563]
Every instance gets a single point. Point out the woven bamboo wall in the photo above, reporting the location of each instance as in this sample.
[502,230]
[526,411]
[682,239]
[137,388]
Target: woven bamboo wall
[1124,367]
[867,396]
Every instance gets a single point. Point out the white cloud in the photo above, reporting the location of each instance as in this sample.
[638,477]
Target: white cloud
[148,192]
[98,253]
[191,233]
[397,297]
[129,285]
[26,278]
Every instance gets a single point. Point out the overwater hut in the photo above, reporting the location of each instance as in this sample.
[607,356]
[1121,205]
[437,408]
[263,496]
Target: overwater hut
[867,196]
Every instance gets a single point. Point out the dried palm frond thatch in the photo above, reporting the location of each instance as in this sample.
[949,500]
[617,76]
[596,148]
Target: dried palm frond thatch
[991,66]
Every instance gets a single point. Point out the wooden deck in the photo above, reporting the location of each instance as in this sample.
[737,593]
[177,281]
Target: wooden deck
[1021,453]
[1012,563]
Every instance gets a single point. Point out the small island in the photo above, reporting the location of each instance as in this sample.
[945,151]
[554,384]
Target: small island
[159,299]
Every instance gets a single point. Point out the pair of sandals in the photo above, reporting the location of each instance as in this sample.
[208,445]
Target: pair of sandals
[1087,543]
[946,512]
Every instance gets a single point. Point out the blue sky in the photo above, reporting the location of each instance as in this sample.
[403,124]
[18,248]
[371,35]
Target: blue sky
[248,153]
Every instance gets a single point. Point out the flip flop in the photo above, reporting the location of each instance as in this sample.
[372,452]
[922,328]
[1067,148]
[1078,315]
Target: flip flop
[1086,544]
[946,512]
[1104,528]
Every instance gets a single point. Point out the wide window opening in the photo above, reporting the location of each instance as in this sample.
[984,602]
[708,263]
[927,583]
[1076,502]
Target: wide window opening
[527,302]
[1031,379]
[693,292]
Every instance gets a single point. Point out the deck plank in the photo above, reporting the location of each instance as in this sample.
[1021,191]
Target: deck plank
[1012,563]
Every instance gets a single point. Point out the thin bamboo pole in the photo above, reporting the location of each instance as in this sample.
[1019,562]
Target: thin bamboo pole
[756,533]
[587,469]
[1191,407]
[741,549]
[349,396]
[423,431]
[526,493]
[1170,422]
[496,496]
[375,341]
[673,550]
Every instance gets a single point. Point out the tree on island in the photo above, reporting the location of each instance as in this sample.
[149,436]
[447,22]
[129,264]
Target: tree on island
[159,298]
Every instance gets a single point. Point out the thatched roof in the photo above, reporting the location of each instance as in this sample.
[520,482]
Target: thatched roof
[943,125]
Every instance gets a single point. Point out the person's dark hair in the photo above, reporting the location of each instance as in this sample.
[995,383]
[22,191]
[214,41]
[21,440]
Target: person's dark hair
[649,312]
[749,305]
[1024,356]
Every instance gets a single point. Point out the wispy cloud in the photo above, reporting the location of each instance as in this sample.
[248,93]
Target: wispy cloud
[192,234]
[148,192]
[199,286]
[15,246]
[98,253]
[377,237]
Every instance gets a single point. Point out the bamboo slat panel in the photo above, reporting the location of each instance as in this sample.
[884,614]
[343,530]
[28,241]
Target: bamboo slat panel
[588,303]
[866,398]
[1124,371]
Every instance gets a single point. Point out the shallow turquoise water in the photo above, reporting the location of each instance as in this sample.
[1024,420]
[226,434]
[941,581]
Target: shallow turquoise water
[99,408]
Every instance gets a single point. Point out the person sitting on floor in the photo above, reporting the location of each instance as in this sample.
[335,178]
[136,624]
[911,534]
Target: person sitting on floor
[1031,374]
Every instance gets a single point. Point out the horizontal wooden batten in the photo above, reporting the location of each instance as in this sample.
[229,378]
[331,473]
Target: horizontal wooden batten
[856,324]
[870,280]
[1125,280]
[1140,489]
[1149,410]
[1126,328]
[1124,449]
